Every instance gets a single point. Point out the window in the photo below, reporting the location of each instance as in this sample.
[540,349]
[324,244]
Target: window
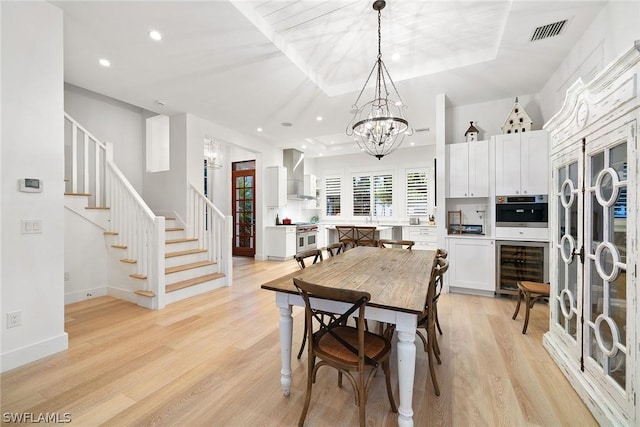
[417,192]
[332,189]
[373,195]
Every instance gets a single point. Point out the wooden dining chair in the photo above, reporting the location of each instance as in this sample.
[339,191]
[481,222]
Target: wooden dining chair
[300,257]
[365,236]
[354,352]
[426,320]
[334,249]
[388,243]
[346,236]
[531,292]
[440,253]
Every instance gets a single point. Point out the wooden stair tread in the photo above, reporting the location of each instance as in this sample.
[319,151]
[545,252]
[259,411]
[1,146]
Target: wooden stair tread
[128,261]
[169,218]
[77,194]
[190,239]
[110,233]
[187,266]
[181,253]
[174,229]
[138,276]
[98,208]
[119,246]
[145,293]
[191,282]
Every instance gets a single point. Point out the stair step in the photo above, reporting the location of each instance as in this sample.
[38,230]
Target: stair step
[77,194]
[191,282]
[181,253]
[119,246]
[100,208]
[138,276]
[110,233]
[187,266]
[174,229]
[149,294]
[128,261]
[169,218]
[191,239]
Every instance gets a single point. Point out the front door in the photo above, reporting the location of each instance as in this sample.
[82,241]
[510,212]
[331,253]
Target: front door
[243,202]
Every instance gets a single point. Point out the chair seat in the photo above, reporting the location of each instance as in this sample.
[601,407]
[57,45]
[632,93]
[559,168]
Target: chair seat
[535,287]
[328,347]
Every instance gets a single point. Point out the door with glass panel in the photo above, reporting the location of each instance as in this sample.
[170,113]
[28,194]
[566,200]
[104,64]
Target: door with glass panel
[593,296]
[243,179]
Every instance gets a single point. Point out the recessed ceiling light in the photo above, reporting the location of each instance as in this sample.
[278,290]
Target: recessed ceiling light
[395,56]
[319,118]
[259,129]
[158,102]
[155,35]
[412,144]
[333,142]
[304,146]
[104,62]
[320,154]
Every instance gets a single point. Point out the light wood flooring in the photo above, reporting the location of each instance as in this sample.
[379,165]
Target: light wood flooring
[214,360]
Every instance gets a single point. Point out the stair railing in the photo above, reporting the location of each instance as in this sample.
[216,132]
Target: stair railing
[213,230]
[139,229]
[85,163]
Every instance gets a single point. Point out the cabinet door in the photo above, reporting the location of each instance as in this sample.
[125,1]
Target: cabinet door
[479,169]
[276,188]
[472,265]
[458,162]
[507,164]
[534,161]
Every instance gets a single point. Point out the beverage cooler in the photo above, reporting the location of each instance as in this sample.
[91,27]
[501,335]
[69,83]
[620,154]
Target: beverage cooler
[520,261]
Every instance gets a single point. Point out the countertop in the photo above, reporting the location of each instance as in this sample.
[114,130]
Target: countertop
[378,227]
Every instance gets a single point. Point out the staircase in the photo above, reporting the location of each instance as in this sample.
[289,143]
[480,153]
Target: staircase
[153,260]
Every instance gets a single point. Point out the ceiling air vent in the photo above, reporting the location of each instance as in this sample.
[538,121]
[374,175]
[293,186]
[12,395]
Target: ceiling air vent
[549,30]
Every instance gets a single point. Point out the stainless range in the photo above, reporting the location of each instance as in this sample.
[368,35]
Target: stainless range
[306,237]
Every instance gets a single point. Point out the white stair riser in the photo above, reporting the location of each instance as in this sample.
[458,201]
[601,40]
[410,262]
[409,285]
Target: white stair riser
[185,259]
[200,288]
[170,235]
[190,274]
[182,246]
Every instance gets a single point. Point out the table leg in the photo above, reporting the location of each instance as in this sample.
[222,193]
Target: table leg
[286,331]
[406,371]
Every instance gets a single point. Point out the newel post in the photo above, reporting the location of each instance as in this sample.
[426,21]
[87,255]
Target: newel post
[158,261]
[227,249]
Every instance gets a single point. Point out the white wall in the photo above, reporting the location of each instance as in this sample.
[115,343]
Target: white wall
[489,116]
[396,163]
[32,146]
[610,35]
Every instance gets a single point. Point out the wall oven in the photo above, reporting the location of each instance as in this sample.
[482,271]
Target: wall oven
[520,261]
[306,237]
[522,211]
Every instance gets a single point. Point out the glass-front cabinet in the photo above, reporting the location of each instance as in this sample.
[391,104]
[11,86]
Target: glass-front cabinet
[594,247]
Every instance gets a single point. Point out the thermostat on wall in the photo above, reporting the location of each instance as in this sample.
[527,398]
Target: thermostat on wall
[30,185]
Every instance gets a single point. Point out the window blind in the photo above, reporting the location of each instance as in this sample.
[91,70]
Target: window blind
[332,190]
[383,195]
[361,195]
[417,193]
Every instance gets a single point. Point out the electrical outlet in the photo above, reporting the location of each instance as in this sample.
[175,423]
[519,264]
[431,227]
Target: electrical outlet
[89,294]
[14,319]
[66,276]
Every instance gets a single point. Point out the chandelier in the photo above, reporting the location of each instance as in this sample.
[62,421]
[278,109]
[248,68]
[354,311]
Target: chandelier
[379,126]
[212,153]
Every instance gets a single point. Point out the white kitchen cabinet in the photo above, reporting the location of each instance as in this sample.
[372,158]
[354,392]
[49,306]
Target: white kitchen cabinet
[472,266]
[425,236]
[281,242]
[310,185]
[276,188]
[522,163]
[468,166]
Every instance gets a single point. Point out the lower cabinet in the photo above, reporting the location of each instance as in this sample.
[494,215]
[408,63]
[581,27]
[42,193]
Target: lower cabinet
[281,242]
[425,237]
[472,266]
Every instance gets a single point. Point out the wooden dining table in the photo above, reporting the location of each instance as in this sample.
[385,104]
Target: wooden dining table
[397,280]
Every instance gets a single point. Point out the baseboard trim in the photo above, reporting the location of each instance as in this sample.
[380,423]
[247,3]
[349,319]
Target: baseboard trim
[84,294]
[21,356]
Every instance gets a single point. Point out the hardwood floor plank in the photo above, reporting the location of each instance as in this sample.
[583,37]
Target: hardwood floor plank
[215,360]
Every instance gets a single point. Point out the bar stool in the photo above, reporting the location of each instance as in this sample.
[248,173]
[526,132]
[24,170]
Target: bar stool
[532,292]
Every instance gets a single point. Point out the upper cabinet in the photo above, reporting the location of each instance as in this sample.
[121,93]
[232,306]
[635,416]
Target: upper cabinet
[522,163]
[468,166]
[276,188]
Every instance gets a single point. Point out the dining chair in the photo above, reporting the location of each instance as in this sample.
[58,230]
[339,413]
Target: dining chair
[346,236]
[334,249]
[354,352]
[300,257]
[426,320]
[388,243]
[531,292]
[440,253]
[365,236]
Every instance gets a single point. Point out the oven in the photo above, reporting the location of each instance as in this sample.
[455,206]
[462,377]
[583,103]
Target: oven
[522,217]
[517,261]
[306,237]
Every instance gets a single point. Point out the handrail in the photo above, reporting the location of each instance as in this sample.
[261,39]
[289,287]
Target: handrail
[85,131]
[207,201]
[132,192]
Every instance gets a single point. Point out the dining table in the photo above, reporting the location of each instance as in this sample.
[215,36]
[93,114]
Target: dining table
[396,279]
